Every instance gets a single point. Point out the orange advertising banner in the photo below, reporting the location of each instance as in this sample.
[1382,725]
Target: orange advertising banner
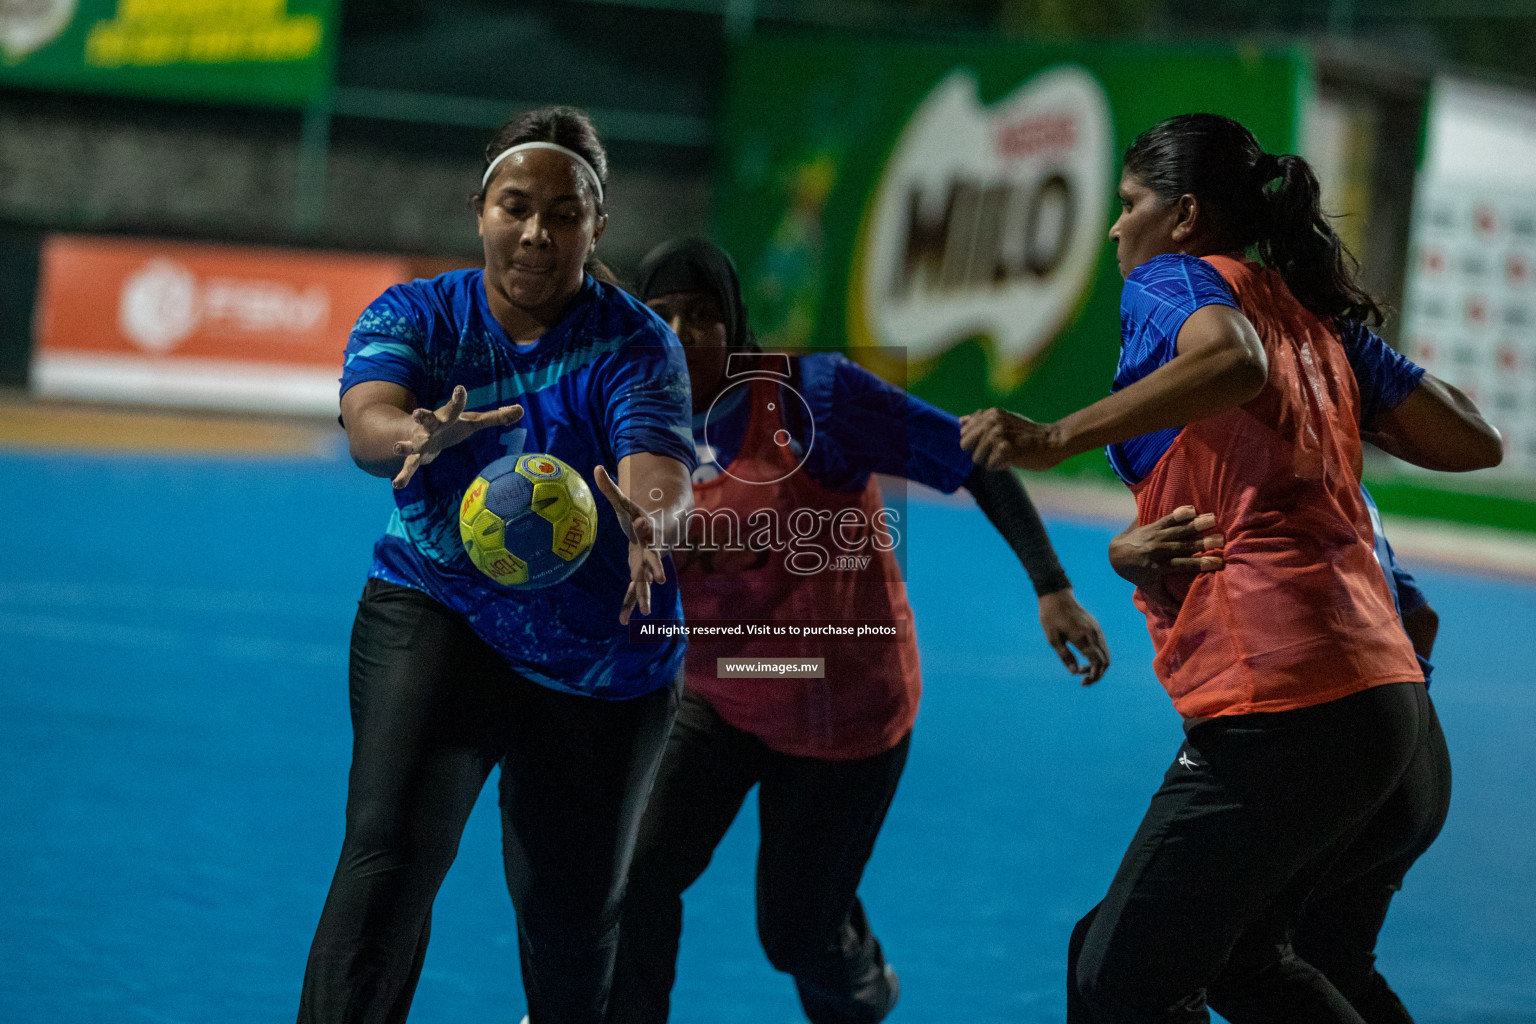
[195,324]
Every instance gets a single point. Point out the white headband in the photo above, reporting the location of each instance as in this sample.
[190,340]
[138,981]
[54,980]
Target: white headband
[580,160]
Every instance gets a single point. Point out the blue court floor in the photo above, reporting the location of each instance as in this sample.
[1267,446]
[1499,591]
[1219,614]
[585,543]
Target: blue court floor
[174,745]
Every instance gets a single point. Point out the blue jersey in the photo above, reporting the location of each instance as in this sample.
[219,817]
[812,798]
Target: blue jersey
[848,424]
[1406,594]
[1158,297]
[1384,375]
[607,381]
[1162,293]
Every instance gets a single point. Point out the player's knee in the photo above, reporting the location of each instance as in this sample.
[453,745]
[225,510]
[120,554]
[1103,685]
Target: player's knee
[784,955]
[578,915]
[1086,978]
[1088,971]
[379,837]
[1076,975]
[787,948]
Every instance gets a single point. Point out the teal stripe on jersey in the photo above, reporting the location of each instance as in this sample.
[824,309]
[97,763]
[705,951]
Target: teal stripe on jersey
[374,349]
[527,382]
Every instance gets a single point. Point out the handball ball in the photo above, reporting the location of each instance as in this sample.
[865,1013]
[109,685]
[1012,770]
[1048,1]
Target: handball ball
[528,521]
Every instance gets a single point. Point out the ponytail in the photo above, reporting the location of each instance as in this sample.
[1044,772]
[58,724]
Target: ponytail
[1300,244]
[1260,200]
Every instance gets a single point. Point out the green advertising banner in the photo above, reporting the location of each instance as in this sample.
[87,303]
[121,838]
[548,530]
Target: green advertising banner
[953,200]
[270,52]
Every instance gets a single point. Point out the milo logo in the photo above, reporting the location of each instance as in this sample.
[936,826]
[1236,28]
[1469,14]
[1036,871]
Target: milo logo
[987,221]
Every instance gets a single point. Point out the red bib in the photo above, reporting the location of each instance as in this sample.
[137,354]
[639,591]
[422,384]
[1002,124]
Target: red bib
[1301,614]
[868,700]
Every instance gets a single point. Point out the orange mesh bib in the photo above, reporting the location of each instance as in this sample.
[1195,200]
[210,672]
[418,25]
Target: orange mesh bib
[1301,614]
[868,700]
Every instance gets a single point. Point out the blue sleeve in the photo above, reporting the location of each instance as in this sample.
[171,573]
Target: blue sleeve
[866,425]
[1384,375]
[647,400]
[1409,597]
[1158,297]
[389,343]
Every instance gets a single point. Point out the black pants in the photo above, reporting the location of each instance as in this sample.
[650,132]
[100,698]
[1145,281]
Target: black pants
[433,709]
[819,820]
[1251,815]
[1342,918]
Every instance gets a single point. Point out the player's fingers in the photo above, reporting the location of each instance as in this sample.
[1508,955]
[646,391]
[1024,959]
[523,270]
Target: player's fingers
[601,478]
[1200,563]
[1096,651]
[981,454]
[658,569]
[969,430]
[609,486]
[1000,457]
[1064,652]
[505,416]
[974,444]
[1180,515]
[630,598]
[455,405]
[622,506]
[991,450]
[641,525]
[643,596]
[412,462]
[974,427]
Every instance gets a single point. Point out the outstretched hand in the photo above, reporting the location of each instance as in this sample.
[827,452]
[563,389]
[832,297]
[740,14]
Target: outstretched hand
[645,565]
[1180,542]
[1068,623]
[997,439]
[434,430]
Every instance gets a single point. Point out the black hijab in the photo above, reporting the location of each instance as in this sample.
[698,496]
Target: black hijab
[694,265]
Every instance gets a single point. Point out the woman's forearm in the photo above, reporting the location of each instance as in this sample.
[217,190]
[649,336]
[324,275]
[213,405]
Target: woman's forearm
[372,436]
[377,416]
[662,488]
[1002,498]
[1438,427]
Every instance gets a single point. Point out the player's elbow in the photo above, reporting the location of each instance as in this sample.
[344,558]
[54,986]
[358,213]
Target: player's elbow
[1487,450]
[367,457]
[1241,371]
[1477,444]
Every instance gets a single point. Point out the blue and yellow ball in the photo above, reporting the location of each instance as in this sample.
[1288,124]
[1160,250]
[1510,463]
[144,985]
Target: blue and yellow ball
[528,521]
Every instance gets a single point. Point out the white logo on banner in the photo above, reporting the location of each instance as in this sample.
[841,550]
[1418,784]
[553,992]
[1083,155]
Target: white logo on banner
[163,303]
[989,220]
[29,25]
[158,305]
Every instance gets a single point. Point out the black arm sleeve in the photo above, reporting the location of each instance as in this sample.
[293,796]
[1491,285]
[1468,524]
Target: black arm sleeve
[1006,504]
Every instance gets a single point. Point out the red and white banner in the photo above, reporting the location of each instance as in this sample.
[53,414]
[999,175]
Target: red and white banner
[191,324]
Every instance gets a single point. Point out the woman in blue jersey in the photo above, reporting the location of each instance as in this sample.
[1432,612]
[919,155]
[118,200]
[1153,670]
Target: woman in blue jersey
[798,439]
[452,674]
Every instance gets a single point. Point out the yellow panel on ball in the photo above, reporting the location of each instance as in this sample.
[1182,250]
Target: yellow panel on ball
[474,500]
[551,500]
[503,567]
[489,530]
[573,535]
